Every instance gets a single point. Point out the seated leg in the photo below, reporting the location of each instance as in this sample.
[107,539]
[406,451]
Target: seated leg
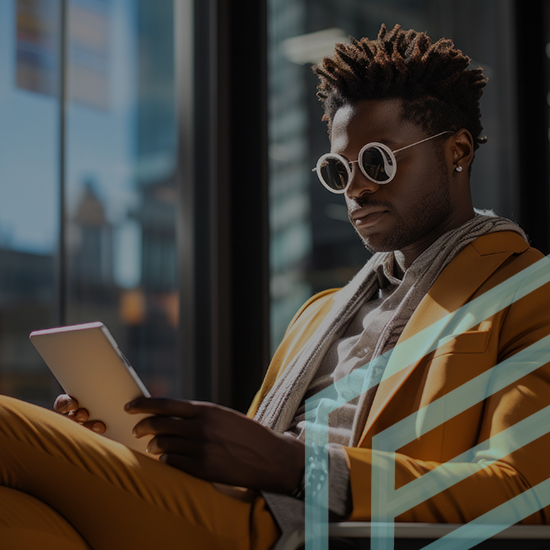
[26,522]
[117,498]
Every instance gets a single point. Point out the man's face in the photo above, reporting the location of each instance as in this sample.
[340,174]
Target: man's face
[416,207]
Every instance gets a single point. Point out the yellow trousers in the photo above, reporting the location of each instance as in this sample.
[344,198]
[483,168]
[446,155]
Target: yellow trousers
[64,487]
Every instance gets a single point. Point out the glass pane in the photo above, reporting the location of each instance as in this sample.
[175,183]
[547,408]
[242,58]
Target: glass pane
[29,192]
[313,246]
[121,195]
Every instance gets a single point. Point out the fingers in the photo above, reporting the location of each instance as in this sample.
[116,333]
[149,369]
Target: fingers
[80,415]
[68,406]
[181,462]
[96,426]
[65,404]
[168,425]
[164,406]
[174,445]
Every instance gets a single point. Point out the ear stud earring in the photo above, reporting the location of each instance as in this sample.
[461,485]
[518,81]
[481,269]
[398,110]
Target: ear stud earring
[458,169]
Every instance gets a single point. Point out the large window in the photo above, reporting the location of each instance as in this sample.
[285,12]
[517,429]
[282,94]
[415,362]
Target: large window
[313,246]
[29,209]
[90,203]
[88,234]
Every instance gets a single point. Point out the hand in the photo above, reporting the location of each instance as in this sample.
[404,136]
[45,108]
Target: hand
[68,406]
[219,445]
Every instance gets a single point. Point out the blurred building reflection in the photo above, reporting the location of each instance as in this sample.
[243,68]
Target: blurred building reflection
[27,286]
[120,202]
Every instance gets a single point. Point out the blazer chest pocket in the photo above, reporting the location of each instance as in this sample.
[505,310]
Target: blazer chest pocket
[470,341]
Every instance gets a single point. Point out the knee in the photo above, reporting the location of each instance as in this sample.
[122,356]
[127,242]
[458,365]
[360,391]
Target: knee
[26,522]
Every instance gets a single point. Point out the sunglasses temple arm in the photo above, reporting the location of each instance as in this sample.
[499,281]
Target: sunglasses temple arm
[423,140]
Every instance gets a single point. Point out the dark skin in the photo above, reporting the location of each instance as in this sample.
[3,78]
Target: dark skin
[427,198]
[210,442]
[68,406]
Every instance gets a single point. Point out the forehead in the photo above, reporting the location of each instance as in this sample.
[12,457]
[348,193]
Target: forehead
[371,120]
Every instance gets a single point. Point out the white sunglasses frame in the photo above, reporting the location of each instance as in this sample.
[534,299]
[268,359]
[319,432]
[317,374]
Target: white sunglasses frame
[347,162]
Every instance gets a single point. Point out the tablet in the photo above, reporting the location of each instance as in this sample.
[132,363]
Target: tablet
[89,365]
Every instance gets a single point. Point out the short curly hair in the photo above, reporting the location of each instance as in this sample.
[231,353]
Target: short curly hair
[438,90]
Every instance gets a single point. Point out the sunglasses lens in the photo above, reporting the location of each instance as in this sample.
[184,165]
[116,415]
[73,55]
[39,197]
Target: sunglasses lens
[378,164]
[333,172]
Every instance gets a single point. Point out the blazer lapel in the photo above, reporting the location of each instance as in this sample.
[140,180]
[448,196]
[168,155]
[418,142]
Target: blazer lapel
[452,289]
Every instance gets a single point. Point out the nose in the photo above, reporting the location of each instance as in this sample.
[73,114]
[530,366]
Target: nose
[359,183]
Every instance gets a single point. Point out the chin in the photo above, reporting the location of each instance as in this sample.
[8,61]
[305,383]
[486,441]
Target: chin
[374,249]
[384,243]
[384,237]
[374,241]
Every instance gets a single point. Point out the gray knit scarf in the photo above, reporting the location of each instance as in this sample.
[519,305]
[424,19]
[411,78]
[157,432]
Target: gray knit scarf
[279,407]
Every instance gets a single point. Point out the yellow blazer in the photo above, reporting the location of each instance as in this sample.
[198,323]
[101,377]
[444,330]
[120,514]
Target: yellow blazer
[482,265]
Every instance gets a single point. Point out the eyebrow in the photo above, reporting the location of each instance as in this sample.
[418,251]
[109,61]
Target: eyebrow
[390,142]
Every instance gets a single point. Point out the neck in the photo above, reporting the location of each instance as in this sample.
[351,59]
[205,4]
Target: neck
[410,253]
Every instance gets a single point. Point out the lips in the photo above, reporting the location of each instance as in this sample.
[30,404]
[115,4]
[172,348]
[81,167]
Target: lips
[366,217]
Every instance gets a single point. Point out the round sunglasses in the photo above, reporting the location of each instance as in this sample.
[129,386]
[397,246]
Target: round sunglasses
[376,161]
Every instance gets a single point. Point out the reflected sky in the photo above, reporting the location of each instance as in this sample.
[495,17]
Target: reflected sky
[100,143]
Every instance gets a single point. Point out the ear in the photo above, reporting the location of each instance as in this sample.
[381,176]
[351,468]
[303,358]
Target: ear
[462,149]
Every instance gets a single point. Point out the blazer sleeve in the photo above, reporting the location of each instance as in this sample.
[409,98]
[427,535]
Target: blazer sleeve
[300,329]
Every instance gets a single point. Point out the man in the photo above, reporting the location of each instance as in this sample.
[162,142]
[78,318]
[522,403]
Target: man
[404,124]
